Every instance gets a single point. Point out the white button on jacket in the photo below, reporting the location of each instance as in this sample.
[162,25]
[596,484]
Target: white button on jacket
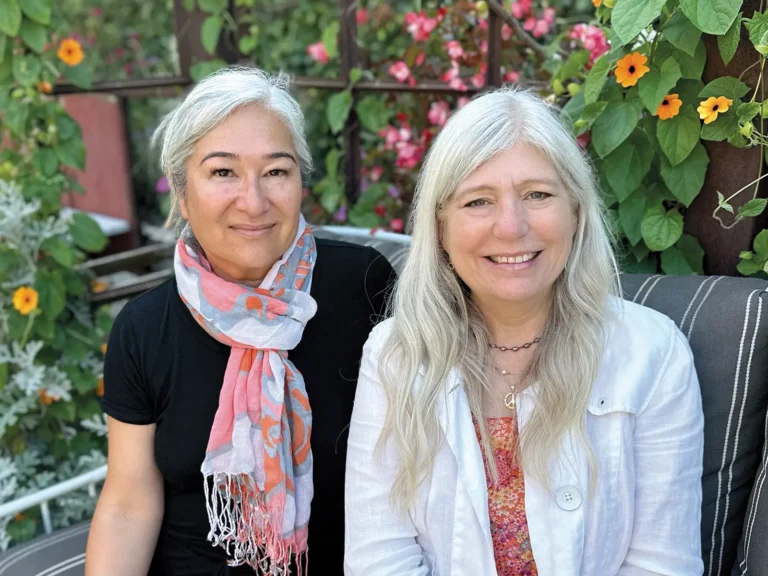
[645,423]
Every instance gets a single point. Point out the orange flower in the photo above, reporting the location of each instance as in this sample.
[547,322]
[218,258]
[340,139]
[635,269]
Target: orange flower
[25,300]
[45,87]
[669,107]
[46,398]
[98,286]
[630,69]
[70,52]
[103,348]
[100,387]
[596,3]
[711,107]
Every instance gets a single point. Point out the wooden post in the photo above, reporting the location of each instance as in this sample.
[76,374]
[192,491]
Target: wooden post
[187,28]
[350,58]
[730,168]
[493,71]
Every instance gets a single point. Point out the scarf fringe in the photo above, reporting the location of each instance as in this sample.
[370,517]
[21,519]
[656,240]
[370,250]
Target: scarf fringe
[249,533]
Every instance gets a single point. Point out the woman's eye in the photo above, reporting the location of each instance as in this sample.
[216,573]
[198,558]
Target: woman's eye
[478,202]
[221,172]
[538,195]
[277,172]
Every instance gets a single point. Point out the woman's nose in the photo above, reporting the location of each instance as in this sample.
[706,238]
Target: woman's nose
[253,197]
[512,220]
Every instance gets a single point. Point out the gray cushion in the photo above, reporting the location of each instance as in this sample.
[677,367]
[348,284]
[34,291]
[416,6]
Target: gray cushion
[725,320]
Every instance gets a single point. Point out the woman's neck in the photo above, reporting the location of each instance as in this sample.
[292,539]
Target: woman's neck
[515,323]
[246,280]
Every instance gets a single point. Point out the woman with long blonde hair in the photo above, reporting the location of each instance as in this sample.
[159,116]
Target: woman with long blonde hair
[514,415]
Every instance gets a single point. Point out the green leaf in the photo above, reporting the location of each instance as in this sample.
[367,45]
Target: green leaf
[60,251]
[711,16]
[648,265]
[337,111]
[47,161]
[749,267]
[728,43]
[71,153]
[573,109]
[10,17]
[373,113]
[681,33]
[613,126]
[691,67]
[332,164]
[673,262]
[692,252]
[354,75]
[37,10]
[16,115]
[3,46]
[200,70]
[27,69]
[753,208]
[678,136]
[687,178]
[590,113]
[45,326]
[595,81]
[748,110]
[211,31]
[52,292]
[80,75]
[760,245]
[86,233]
[6,68]
[332,194]
[656,85]
[661,229]
[721,203]
[212,6]
[331,40]
[727,86]
[626,166]
[630,17]
[721,129]
[631,212]
[758,32]
[34,35]
[573,65]
[67,128]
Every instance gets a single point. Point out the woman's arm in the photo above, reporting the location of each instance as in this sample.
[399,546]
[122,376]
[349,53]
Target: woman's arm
[378,541]
[669,447]
[130,509]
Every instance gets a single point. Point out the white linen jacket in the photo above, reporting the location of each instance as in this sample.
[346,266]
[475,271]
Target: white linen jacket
[645,423]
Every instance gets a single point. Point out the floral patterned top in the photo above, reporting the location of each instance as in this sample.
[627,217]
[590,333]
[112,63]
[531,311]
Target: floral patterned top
[506,502]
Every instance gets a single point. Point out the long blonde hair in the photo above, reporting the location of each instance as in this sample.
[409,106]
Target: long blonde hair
[437,327]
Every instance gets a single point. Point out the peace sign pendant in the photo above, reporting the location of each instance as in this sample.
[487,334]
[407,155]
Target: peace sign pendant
[509,400]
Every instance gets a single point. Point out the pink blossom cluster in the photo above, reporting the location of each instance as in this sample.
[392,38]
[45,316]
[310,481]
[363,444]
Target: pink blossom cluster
[419,26]
[318,53]
[439,112]
[409,150]
[402,73]
[592,38]
[537,26]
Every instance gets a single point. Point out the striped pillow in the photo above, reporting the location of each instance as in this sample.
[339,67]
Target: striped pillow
[726,323]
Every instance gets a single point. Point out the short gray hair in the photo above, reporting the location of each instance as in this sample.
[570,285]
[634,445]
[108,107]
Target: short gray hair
[437,326]
[210,103]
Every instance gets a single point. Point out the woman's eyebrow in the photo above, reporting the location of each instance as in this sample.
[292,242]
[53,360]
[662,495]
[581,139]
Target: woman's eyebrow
[233,156]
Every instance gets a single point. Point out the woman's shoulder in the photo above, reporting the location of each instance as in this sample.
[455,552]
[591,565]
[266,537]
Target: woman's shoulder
[148,306]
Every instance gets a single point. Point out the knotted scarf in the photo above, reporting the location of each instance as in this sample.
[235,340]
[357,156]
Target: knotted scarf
[258,463]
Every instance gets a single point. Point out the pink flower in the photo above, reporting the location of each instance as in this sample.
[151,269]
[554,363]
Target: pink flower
[341,214]
[397,225]
[362,16]
[530,23]
[419,26]
[583,140]
[457,84]
[119,52]
[592,38]
[452,72]
[484,46]
[376,173]
[400,71]
[438,113]
[128,69]
[512,76]
[408,155]
[455,51]
[404,133]
[318,53]
[521,8]
[541,28]
[380,210]
[506,32]
[478,80]
[162,186]
[420,58]
[96,12]
[391,136]
[482,23]
[461,102]
[549,15]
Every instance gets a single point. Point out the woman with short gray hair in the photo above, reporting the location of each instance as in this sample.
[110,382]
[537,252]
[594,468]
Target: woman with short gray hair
[229,388]
[514,416]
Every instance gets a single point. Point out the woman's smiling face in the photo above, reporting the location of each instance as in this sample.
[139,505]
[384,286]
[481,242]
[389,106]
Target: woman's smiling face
[243,195]
[509,228]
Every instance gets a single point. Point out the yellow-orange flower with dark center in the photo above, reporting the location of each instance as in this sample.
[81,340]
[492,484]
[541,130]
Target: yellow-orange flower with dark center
[46,398]
[630,69]
[100,387]
[25,300]
[711,107]
[596,3]
[45,87]
[70,52]
[669,107]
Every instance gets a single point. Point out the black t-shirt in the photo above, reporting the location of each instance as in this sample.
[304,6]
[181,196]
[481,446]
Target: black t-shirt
[162,367]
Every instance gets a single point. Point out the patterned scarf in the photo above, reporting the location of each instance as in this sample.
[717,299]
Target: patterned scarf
[258,458]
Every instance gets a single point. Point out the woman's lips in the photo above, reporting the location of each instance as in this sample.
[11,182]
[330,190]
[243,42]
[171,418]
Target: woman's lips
[253,231]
